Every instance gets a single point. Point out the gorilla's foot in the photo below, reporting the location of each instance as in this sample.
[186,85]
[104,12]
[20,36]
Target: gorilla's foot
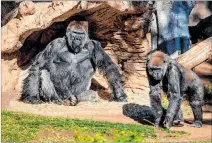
[67,102]
[32,100]
[156,126]
[56,101]
[178,123]
[122,99]
[167,123]
[88,95]
[197,124]
[119,97]
[70,101]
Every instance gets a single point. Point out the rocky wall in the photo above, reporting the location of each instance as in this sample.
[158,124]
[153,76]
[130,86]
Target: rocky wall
[36,24]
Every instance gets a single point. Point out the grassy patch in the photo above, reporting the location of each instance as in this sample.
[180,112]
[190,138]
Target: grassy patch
[22,127]
[176,134]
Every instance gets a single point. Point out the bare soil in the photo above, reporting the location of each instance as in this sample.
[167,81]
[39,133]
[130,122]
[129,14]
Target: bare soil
[102,110]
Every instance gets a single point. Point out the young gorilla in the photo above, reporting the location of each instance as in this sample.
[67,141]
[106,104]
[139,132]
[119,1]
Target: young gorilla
[165,73]
[63,71]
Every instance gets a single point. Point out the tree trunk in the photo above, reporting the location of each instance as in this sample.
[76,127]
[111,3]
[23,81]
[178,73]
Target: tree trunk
[196,55]
[204,69]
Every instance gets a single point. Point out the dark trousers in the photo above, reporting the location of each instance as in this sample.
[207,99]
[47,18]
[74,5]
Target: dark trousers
[181,44]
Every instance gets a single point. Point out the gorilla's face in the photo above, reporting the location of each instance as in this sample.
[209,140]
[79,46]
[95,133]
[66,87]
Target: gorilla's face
[76,35]
[156,72]
[156,64]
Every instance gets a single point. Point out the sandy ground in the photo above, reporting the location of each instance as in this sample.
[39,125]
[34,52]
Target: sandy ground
[105,111]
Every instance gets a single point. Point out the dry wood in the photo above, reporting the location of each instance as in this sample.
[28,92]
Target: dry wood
[204,69]
[196,55]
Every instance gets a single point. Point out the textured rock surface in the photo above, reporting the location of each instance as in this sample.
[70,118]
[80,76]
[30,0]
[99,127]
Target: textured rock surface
[119,29]
[26,8]
[10,72]
[31,17]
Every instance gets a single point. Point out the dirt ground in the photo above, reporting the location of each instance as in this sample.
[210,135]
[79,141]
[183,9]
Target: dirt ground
[107,111]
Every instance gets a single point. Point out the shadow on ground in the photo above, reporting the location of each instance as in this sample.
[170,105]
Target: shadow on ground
[144,115]
[140,113]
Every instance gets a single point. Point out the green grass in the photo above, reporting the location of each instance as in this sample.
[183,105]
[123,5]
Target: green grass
[176,134]
[22,127]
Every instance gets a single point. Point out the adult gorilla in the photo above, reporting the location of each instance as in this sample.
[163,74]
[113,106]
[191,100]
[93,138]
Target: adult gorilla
[178,82]
[63,71]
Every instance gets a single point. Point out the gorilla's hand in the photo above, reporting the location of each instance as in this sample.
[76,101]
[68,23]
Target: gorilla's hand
[70,101]
[167,123]
[122,98]
[32,100]
[83,55]
[119,96]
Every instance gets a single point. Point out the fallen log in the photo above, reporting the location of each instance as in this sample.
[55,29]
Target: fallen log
[204,69]
[196,55]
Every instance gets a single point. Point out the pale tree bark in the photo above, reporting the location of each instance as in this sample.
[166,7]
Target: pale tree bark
[196,55]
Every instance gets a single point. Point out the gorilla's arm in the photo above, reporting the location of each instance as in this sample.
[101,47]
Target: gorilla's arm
[155,100]
[47,56]
[110,71]
[31,84]
[174,96]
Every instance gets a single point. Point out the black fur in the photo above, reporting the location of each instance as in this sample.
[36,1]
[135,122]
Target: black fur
[63,71]
[202,30]
[179,83]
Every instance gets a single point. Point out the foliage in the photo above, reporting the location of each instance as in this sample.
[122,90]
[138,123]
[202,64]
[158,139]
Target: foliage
[22,127]
[176,134]
[83,137]
[129,136]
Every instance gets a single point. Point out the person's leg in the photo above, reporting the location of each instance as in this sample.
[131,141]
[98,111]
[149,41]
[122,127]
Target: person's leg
[185,46]
[170,46]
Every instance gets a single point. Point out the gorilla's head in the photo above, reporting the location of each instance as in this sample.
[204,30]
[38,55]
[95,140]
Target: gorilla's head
[156,72]
[156,65]
[77,33]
